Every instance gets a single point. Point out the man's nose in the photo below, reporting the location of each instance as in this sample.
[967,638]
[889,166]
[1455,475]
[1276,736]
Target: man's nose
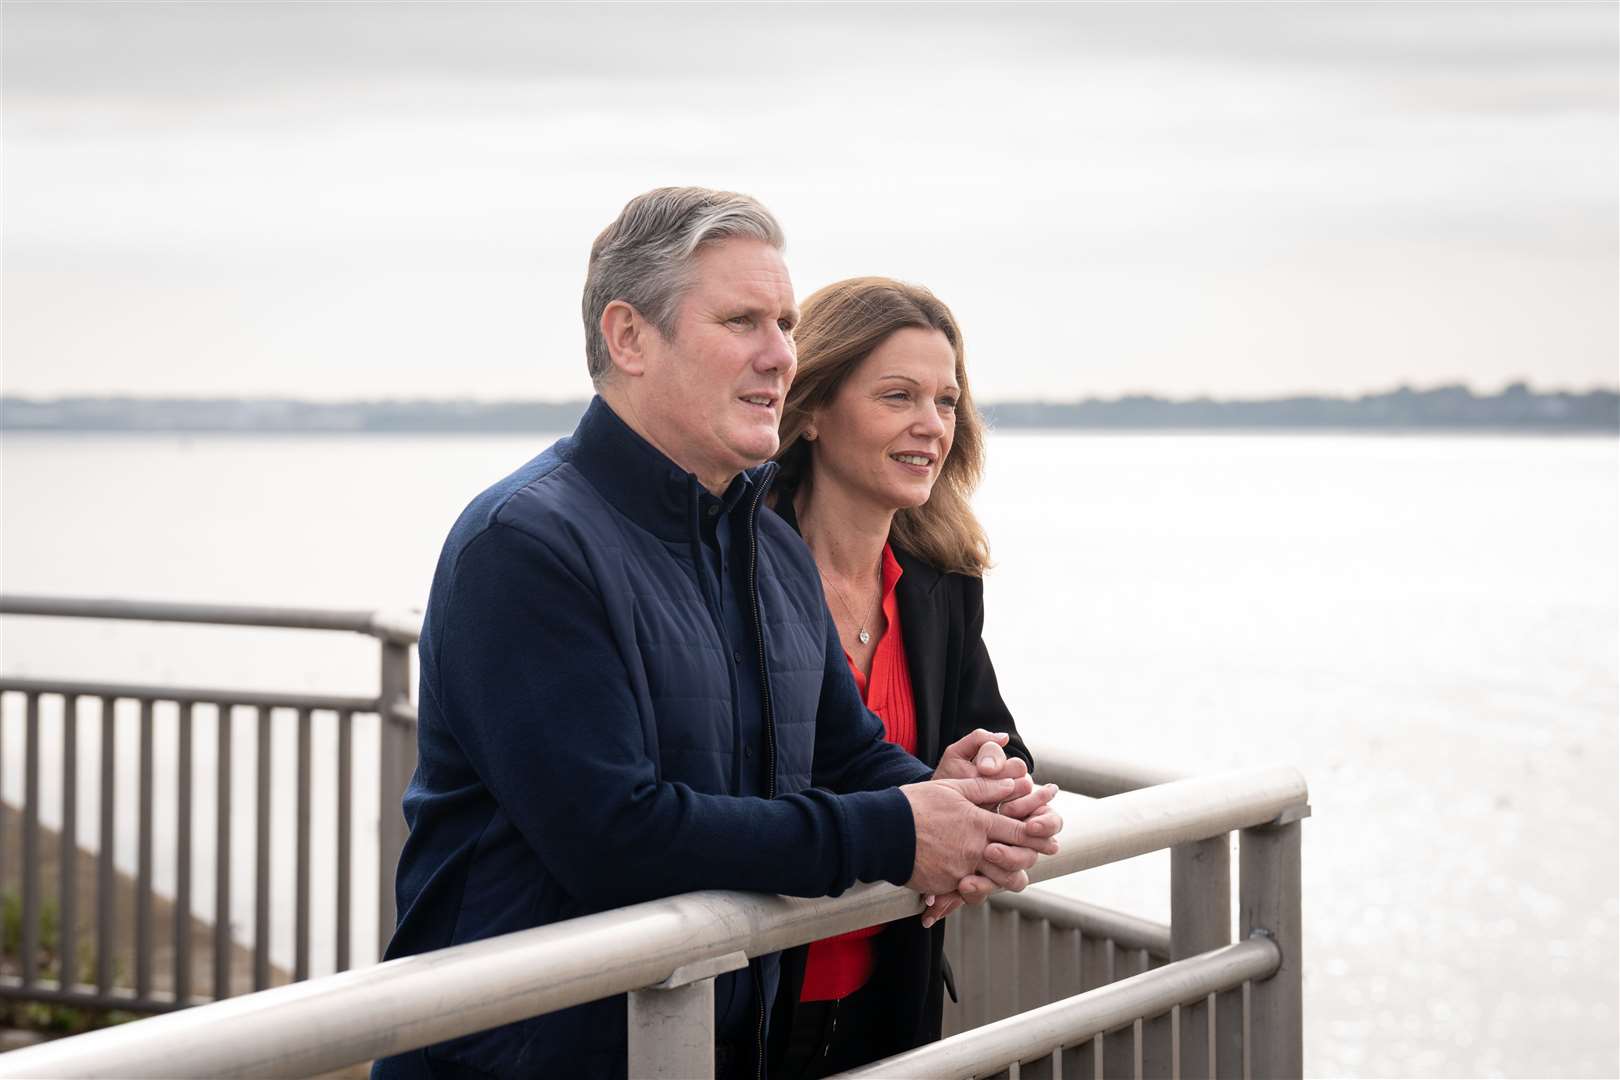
[778,353]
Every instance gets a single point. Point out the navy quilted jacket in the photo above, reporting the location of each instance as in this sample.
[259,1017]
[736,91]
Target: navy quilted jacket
[577,744]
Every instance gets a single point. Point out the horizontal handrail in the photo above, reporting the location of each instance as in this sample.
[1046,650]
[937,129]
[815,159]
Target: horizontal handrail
[1067,913]
[190,695]
[1039,1032]
[355,1016]
[398,627]
[1098,777]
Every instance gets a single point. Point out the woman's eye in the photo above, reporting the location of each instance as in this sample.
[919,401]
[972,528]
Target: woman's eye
[947,403]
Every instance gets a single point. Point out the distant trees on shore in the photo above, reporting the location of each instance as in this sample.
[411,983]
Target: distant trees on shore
[1517,407]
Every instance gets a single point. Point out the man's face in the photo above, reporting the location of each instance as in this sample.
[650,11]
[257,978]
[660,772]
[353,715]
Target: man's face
[711,395]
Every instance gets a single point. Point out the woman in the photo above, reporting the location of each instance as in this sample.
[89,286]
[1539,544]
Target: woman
[881,449]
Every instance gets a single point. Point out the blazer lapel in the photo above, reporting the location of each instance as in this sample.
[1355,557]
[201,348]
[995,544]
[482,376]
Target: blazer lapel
[924,625]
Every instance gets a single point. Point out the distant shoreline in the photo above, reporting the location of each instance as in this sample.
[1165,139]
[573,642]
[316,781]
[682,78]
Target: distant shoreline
[1442,410]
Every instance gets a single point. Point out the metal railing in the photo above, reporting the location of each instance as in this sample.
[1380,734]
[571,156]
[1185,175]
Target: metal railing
[1225,1009]
[52,711]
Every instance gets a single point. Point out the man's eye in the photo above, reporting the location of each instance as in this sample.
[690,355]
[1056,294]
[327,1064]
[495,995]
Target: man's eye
[739,320]
[786,326]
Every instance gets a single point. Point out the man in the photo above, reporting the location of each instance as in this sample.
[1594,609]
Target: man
[629,679]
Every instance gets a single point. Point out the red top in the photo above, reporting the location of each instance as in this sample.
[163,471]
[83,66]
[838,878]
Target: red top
[838,966]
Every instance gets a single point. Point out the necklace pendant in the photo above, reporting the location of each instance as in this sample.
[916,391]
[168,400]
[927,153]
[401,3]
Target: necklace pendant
[864,636]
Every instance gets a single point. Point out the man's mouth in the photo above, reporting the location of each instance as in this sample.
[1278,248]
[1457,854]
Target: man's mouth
[764,401]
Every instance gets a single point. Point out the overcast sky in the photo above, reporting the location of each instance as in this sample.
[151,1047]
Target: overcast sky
[377,200]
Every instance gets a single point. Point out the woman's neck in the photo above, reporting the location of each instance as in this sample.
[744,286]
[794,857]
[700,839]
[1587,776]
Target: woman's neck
[846,536]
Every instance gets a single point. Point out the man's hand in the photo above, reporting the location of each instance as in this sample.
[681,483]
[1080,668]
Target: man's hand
[1003,866]
[957,838]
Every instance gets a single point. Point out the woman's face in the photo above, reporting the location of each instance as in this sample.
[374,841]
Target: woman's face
[884,436]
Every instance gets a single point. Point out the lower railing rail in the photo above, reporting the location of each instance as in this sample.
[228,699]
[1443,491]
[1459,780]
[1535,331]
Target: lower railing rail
[665,954]
[1057,1039]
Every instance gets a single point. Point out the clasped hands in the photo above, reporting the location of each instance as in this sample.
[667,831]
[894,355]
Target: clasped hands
[981,823]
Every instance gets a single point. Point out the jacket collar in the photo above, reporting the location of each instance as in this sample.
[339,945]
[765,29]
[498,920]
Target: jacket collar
[637,479]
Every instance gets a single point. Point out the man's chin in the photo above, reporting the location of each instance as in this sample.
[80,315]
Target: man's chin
[755,450]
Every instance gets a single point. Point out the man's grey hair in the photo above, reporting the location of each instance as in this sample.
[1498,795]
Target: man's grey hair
[645,257]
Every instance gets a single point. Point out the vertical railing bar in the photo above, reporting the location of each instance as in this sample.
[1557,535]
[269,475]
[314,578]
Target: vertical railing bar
[345,860]
[396,758]
[261,853]
[106,882]
[30,846]
[67,926]
[1269,904]
[222,855]
[143,868]
[301,889]
[1200,920]
[186,717]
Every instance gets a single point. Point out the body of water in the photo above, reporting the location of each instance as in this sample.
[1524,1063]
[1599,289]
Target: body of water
[1428,626]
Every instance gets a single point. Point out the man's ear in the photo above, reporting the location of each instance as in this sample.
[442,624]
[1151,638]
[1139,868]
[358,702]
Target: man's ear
[626,332]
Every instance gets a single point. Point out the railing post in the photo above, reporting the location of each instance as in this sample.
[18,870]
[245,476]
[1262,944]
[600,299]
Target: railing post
[1200,920]
[397,750]
[671,1033]
[1269,904]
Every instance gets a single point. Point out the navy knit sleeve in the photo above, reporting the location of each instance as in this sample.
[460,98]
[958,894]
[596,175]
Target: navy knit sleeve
[536,693]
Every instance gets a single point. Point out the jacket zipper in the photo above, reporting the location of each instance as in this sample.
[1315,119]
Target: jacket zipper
[770,732]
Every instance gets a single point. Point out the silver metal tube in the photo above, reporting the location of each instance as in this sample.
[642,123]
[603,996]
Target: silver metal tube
[188,694]
[359,1015]
[106,893]
[261,854]
[222,856]
[143,867]
[30,847]
[67,925]
[182,855]
[345,830]
[1129,931]
[370,623]
[1073,1020]
[301,862]
[1269,904]
[1099,777]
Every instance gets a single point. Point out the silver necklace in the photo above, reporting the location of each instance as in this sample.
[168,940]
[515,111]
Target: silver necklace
[860,631]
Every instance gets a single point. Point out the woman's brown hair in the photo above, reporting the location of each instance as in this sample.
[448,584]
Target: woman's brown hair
[840,327]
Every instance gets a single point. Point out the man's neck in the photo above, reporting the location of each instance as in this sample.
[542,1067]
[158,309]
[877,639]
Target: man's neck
[845,535]
[624,407]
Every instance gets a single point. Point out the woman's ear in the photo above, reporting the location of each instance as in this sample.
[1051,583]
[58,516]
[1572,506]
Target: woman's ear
[625,332]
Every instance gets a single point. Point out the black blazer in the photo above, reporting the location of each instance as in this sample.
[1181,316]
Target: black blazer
[953,686]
